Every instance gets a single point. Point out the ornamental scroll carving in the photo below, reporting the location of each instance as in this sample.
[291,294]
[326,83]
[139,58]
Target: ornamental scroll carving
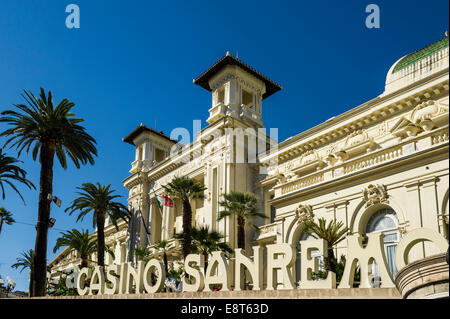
[375,194]
[304,213]
[427,110]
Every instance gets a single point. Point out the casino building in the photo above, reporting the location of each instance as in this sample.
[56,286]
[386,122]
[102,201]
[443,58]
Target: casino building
[380,167]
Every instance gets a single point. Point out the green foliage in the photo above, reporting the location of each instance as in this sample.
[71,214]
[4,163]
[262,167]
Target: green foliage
[26,261]
[46,130]
[82,242]
[243,205]
[10,172]
[96,199]
[184,188]
[176,273]
[333,233]
[206,241]
[60,288]
[163,245]
[141,253]
[5,218]
[43,124]
[339,266]
[99,200]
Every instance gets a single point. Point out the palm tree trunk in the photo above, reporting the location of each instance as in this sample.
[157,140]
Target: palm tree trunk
[206,260]
[166,264]
[46,188]
[241,232]
[330,264]
[101,238]
[187,228]
[84,261]
[30,287]
[1,225]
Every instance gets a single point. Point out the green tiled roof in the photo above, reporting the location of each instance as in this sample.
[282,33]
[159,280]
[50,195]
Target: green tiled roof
[421,54]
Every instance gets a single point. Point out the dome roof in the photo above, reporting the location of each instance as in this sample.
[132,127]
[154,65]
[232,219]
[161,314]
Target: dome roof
[417,65]
[421,54]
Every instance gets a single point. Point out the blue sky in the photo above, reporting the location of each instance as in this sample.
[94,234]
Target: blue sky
[134,61]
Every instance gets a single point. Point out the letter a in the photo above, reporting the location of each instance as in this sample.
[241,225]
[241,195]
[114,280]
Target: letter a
[73,19]
[373,19]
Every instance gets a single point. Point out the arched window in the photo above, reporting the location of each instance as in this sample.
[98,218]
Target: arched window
[298,260]
[384,221]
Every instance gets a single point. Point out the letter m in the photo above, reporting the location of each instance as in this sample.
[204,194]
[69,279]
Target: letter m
[356,252]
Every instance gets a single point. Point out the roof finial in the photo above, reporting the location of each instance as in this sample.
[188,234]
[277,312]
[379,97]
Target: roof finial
[228,53]
[446,34]
[237,54]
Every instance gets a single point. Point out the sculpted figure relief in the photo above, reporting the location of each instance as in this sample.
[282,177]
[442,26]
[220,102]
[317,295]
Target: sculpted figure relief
[304,213]
[375,194]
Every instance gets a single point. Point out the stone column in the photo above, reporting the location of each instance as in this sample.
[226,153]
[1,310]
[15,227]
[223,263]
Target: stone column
[414,215]
[430,205]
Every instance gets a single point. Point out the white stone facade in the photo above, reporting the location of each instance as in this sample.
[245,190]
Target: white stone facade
[379,167]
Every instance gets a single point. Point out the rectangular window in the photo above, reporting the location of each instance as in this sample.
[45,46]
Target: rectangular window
[221,96]
[272,210]
[159,155]
[272,214]
[247,98]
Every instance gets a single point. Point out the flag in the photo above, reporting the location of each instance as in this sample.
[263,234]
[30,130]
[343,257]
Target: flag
[157,200]
[145,226]
[168,201]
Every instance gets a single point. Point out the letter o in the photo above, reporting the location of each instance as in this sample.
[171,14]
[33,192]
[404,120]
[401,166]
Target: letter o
[146,276]
[414,237]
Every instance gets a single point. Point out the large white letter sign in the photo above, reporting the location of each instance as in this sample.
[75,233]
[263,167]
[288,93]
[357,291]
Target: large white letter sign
[112,272]
[255,268]
[194,273]
[158,266]
[83,276]
[71,280]
[219,267]
[373,251]
[412,238]
[134,275]
[309,264]
[97,281]
[280,257]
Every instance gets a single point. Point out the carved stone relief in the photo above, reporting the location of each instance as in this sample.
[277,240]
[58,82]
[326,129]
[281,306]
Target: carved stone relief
[375,194]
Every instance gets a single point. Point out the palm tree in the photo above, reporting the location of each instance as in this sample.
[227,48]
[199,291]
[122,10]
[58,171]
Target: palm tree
[47,130]
[26,261]
[333,234]
[185,188]
[205,241]
[82,242]
[5,217]
[141,253]
[163,246]
[244,207]
[9,171]
[99,200]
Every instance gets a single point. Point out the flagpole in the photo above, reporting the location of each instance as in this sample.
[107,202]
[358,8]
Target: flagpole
[148,232]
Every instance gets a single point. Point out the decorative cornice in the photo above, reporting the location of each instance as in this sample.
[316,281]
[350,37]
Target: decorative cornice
[288,149]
